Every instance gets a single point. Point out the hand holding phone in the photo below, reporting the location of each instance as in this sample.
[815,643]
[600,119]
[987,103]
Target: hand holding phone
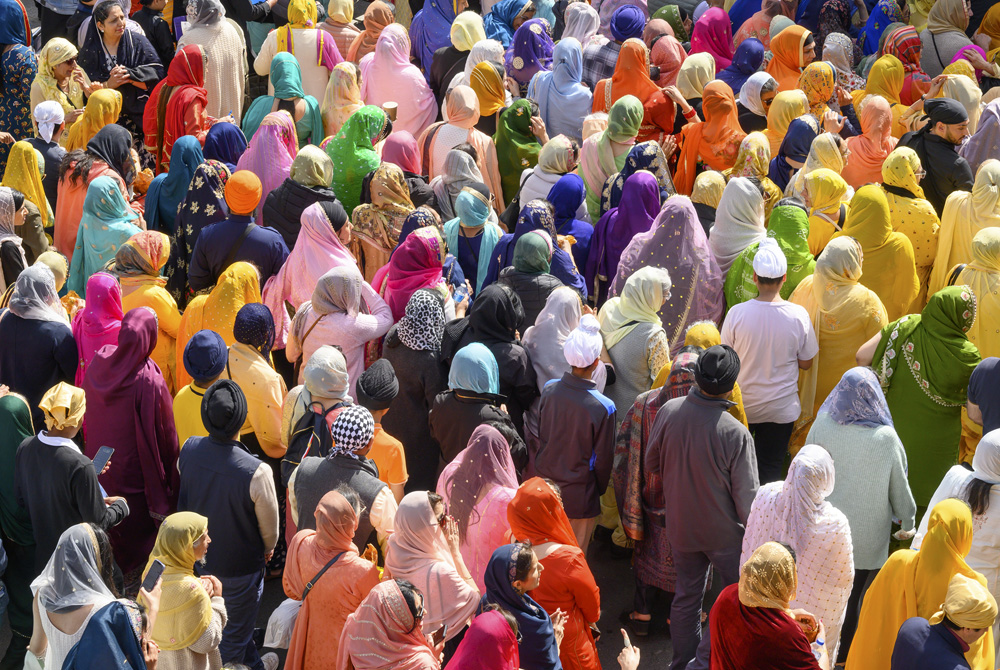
[101,458]
[153,576]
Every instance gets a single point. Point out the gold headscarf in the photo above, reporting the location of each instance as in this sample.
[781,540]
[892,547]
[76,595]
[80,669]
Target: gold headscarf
[900,170]
[948,16]
[63,406]
[56,262]
[488,85]
[768,578]
[56,51]
[695,73]
[968,604]
[708,188]
[340,11]
[342,97]
[103,108]
[703,334]
[23,174]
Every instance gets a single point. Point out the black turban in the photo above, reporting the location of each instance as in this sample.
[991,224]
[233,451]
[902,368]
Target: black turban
[717,369]
[224,409]
[377,386]
[945,110]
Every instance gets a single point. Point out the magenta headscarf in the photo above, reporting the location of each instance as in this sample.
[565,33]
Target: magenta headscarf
[713,34]
[415,264]
[98,322]
[270,154]
[401,149]
[388,76]
[971,47]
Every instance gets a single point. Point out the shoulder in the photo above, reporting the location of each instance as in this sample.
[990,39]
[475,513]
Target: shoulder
[605,402]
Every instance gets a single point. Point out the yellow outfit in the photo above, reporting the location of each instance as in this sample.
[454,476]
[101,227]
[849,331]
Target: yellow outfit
[964,215]
[153,295]
[826,190]
[187,413]
[889,269]
[912,215]
[708,188]
[23,173]
[915,583]
[265,392]
[886,79]
[823,153]
[785,108]
[103,108]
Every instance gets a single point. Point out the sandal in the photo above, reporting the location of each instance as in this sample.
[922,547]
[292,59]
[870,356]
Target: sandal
[638,627]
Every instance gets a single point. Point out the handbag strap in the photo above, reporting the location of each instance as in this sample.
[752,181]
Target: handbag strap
[237,245]
[312,582]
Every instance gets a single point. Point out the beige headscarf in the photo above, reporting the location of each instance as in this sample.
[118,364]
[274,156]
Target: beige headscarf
[968,604]
[768,578]
[948,16]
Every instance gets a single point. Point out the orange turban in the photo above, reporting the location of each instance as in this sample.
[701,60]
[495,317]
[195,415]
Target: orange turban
[243,191]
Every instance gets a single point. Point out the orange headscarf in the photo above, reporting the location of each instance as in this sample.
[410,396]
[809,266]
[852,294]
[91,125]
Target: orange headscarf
[377,17]
[536,514]
[788,48]
[711,140]
[869,150]
[631,77]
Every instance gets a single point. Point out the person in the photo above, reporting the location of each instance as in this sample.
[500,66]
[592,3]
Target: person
[388,76]
[793,151]
[19,65]
[130,406]
[107,223]
[712,34]
[844,315]
[205,358]
[237,238]
[715,143]
[968,611]
[912,215]
[177,105]
[770,379]
[98,323]
[794,48]
[385,631]
[189,628]
[706,196]
[966,213]
[401,149]
[315,51]
[827,196]
[904,44]
[308,182]
[840,51]
[222,39]
[537,517]
[513,571]
[342,97]
[353,430]
[739,221]
[785,107]
[24,175]
[505,17]
[340,23]
[66,85]
[168,189]
[946,171]
[376,224]
[753,101]
[563,99]
[327,551]
[353,154]
[529,276]
[976,150]
[519,141]
[50,120]
[416,263]
[753,160]
[13,215]
[945,37]
[15,524]
[826,151]
[442,58]
[604,154]
[269,155]
[41,350]
[491,641]
[890,269]
[758,24]
[150,19]
[625,21]
[573,404]
[460,169]
[726,484]
[225,143]
[922,577]
[376,388]
[752,624]
[246,514]
[530,52]
[795,512]
[377,16]
[868,152]
[289,96]
[567,197]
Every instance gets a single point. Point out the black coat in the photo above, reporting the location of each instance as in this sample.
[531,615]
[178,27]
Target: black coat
[532,289]
[284,205]
[455,416]
[947,172]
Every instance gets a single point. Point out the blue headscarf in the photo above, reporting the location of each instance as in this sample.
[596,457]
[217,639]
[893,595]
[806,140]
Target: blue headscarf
[108,641]
[885,12]
[254,326]
[747,59]
[13,24]
[225,143]
[474,368]
[563,100]
[499,23]
[627,21]
[857,400]
[798,139]
[107,223]
[566,196]
[430,30]
[646,156]
[168,190]
[741,11]
[538,648]
[473,211]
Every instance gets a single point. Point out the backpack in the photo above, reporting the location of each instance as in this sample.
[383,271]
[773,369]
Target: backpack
[310,437]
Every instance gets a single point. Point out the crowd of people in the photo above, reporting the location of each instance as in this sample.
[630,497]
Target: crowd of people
[405,304]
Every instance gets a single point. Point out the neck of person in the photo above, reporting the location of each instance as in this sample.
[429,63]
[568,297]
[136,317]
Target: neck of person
[111,42]
[469,231]
[769,293]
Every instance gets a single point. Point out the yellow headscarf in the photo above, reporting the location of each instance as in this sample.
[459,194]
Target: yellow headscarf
[695,73]
[301,14]
[466,30]
[643,296]
[56,262]
[488,85]
[982,275]
[817,81]
[22,173]
[900,170]
[959,67]
[56,51]
[342,98]
[885,78]
[991,26]
[340,11]
[703,334]
[968,604]
[966,90]
[823,153]
[239,285]
[826,190]
[708,188]
[786,107]
[768,578]
[185,608]
[103,108]
[63,406]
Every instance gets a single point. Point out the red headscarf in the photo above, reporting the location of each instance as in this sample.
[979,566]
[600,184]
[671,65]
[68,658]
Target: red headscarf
[170,103]
[489,644]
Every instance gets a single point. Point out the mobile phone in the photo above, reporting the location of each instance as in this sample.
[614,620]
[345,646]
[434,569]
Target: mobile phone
[102,458]
[441,634]
[155,570]
[654,72]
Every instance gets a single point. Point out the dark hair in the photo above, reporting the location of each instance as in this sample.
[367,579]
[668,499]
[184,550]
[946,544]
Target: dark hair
[555,487]
[948,623]
[107,559]
[410,593]
[80,161]
[103,10]
[508,617]
[809,40]
[792,202]
[434,499]
[690,349]
[791,551]
[535,111]
[758,184]
[518,449]
[467,148]
[18,198]
[769,281]
[522,560]
[351,495]
[978,496]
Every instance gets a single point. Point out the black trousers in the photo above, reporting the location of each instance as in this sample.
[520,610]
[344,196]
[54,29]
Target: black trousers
[862,580]
[54,24]
[770,441]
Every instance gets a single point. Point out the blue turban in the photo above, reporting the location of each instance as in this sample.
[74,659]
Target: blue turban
[205,355]
[254,325]
[627,21]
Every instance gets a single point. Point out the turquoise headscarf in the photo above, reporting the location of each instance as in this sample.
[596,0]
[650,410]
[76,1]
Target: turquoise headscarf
[106,224]
[473,211]
[286,78]
[168,190]
[474,368]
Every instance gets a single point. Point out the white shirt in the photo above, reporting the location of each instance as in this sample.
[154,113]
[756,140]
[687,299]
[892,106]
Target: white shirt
[770,339]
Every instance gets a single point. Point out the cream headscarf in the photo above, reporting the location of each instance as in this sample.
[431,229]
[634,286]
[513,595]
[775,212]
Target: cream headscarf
[739,221]
[695,73]
[968,604]
[643,296]
[708,188]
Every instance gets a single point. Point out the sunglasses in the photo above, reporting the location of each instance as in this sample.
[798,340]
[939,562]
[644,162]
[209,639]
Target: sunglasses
[443,515]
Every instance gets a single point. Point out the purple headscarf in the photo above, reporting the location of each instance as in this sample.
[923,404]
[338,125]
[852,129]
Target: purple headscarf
[677,242]
[627,21]
[747,59]
[530,51]
[980,146]
[857,400]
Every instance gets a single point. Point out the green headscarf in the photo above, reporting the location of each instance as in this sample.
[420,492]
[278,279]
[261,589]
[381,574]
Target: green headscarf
[352,151]
[597,158]
[624,119]
[789,226]
[517,146]
[532,253]
[286,78]
[15,427]
[739,286]
[672,15]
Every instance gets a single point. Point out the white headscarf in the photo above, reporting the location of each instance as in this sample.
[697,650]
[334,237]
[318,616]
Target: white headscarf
[72,577]
[48,115]
[544,340]
[205,12]
[484,50]
[739,221]
[750,93]
[35,296]
[582,22]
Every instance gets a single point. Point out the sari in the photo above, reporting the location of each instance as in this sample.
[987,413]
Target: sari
[286,79]
[98,323]
[713,34]
[844,314]
[912,215]
[746,61]
[177,105]
[377,225]
[826,192]
[353,154]
[499,21]
[869,150]
[886,79]
[107,222]
[923,363]
[477,487]
[914,583]
[789,59]
[885,12]
[785,108]
[167,190]
[753,161]
[563,100]
[713,143]
[269,155]
[604,154]
[965,214]
[630,77]
[416,263]
[739,222]
[388,76]
[377,17]
[103,108]
[517,146]
[904,44]
[343,97]
[530,52]
[677,243]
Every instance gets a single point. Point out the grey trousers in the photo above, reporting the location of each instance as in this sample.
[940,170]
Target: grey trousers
[691,649]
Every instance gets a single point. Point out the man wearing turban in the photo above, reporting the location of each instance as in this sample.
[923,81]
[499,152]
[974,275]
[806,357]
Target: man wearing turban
[205,357]
[377,387]
[599,59]
[945,170]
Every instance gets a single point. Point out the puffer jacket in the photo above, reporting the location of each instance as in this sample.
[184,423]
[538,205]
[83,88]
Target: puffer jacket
[284,206]
[532,289]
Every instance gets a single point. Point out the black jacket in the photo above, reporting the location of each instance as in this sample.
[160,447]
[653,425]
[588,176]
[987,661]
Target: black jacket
[947,172]
[532,289]
[456,414]
[284,205]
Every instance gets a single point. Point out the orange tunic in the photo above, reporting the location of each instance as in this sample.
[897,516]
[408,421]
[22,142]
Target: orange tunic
[568,584]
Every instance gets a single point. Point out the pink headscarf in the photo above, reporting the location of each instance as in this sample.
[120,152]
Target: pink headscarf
[668,54]
[415,264]
[713,34]
[270,154]
[317,250]
[870,149]
[401,148]
[489,644]
[961,56]
[388,76]
[98,323]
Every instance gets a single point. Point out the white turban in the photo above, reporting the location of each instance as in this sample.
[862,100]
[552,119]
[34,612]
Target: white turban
[583,346]
[770,263]
[48,115]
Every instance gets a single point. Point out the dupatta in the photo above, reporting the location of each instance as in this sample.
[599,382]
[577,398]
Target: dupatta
[103,108]
[597,156]
[106,223]
[98,323]
[272,149]
[530,51]
[788,49]
[168,190]
[286,78]
[416,263]
[713,34]
[22,173]
[352,151]
[868,151]
[709,142]
[982,275]
[388,76]
[563,100]
[517,146]
[739,221]
[630,77]
[746,61]
[164,119]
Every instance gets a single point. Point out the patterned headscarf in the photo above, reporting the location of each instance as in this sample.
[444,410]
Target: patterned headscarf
[255,326]
[422,328]
[857,400]
[352,431]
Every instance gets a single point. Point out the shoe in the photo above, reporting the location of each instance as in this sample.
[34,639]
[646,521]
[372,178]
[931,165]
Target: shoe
[270,661]
[638,627]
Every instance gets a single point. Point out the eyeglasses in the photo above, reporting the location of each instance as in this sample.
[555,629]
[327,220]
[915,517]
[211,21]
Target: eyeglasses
[920,174]
[420,612]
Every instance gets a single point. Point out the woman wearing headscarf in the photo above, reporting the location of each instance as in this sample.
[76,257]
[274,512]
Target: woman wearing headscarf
[884,13]
[567,198]
[472,235]
[826,151]
[557,158]
[514,570]
[739,221]
[349,580]
[315,51]
[746,61]
[377,17]
[444,59]
[840,52]
[758,25]
[868,152]
[128,404]
[416,263]
[705,196]
[904,44]
[288,96]
[106,223]
[353,154]
[528,275]
[458,171]
[713,143]
[793,48]
[604,154]
[505,17]
[886,79]
[377,225]
[977,150]
[713,35]
[308,182]
[388,76]
[225,46]
[269,155]
[487,81]
[342,97]
[677,17]
[794,150]
[61,84]
[225,143]
[563,100]
[518,145]
[491,642]
[817,81]
[340,23]
[98,323]
[24,174]
[483,51]
[693,76]
[945,35]
[754,160]
[825,194]
[754,101]
[12,258]
[103,108]
[667,54]
[785,108]
[544,340]
[168,189]
[176,107]
[581,23]
[530,52]
[203,205]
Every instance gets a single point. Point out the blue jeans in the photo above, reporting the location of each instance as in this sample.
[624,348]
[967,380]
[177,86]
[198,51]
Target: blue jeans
[242,595]
[685,611]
